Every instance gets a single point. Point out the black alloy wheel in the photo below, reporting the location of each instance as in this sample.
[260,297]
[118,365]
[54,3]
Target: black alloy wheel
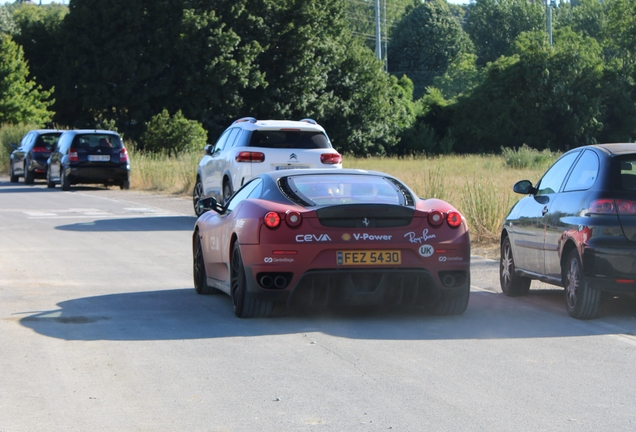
[197,194]
[511,283]
[198,269]
[227,191]
[581,300]
[65,184]
[244,305]
[29,176]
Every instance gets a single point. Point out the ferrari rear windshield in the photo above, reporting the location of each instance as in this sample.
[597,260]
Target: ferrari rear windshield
[329,189]
[289,139]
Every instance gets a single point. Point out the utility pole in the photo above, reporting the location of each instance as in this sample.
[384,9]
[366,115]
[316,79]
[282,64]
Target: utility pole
[378,35]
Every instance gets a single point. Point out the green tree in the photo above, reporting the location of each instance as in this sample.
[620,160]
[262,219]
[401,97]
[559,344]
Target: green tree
[21,100]
[7,23]
[173,135]
[425,42]
[361,18]
[493,25]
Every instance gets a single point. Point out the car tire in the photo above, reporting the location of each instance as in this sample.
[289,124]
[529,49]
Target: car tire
[453,305]
[65,184]
[29,177]
[227,191]
[581,300]
[49,183]
[244,305]
[197,194]
[198,269]
[125,185]
[12,177]
[511,283]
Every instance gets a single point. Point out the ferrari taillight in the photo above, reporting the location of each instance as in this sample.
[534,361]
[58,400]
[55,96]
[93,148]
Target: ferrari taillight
[272,220]
[293,218]
[246,156]
[435,217]
[331,158]
[454,219]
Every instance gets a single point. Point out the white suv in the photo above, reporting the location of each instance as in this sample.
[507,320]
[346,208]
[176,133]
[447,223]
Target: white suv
[250,147]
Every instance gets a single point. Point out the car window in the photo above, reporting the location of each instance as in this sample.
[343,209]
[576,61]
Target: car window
[628,173]
[584,173]
[231,139]
[344,188]
[97,140]
[26,141]
[553,178]
[290,139]
[243,193]
[220,143]
[47,141]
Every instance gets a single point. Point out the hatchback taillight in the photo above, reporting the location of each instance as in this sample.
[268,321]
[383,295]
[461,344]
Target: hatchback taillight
[123,155]
[331,158]
[610,206]
[39,150]
[72,155]
[246,156]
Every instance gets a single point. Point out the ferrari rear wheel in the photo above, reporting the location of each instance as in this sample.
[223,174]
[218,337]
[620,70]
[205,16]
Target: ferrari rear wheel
[244,305]
[198,269]
[511,283]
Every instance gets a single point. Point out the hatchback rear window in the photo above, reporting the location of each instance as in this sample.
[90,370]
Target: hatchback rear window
[289,139]
[344,189]
[628,173]
[47,141]
[94,141]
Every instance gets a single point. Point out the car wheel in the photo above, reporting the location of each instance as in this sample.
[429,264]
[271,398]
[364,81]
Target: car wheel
[65,184]
[13,178]
[227,191]
[244,305]
[198,269]
[29,177]
[581,300]
[511,283]
[197,194]
[124,185]
[49,183]
[453,305]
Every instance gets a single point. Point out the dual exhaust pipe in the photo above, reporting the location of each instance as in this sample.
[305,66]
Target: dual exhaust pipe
[273,281]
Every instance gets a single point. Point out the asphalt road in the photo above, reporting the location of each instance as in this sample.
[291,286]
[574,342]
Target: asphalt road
[100,329]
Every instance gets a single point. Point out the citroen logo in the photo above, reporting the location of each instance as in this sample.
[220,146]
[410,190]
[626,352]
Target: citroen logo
[293,157]
[365,222]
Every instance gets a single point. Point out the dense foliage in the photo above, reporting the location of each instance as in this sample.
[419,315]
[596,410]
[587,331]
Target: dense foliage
[472,78]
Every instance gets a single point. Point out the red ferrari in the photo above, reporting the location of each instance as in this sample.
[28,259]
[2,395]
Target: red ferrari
[331,237]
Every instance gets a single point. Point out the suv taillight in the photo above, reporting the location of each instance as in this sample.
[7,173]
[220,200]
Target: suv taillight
[331,158]
[246,156]
[123,155]
[72,155]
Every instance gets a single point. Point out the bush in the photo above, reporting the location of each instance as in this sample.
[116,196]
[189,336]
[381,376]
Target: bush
[173,135]
[527,157]
[11,134]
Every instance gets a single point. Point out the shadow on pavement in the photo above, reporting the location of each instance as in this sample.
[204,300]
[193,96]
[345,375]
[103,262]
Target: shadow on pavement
[182,314]
[138,223]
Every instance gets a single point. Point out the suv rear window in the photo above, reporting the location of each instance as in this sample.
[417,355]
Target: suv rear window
[92,141]
[289,139]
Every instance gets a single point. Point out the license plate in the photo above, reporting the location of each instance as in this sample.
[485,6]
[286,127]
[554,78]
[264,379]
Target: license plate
[285,167]
[99,158]
[369,257]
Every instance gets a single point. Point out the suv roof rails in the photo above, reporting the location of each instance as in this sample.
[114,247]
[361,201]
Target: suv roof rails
[308,120]
[244,119]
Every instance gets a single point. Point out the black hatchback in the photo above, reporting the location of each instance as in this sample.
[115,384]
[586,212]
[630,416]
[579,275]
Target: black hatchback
[89,157]
[28,159]
[575,229]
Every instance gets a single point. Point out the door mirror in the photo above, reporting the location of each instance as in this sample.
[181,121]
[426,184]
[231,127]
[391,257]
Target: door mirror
[208,149]
[207,204]
[524,187]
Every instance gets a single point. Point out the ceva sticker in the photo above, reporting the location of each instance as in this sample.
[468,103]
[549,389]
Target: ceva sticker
[426,250]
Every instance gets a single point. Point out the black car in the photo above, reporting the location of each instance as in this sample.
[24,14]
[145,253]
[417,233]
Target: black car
[89,156]
[28,160]
[575,229]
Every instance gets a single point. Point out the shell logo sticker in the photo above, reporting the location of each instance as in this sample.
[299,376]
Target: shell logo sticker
[426,250]
[346,237]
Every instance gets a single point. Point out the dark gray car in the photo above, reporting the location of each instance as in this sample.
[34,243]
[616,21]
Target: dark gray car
[29,158]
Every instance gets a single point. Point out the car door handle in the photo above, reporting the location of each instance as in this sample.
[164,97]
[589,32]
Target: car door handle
[544,211]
